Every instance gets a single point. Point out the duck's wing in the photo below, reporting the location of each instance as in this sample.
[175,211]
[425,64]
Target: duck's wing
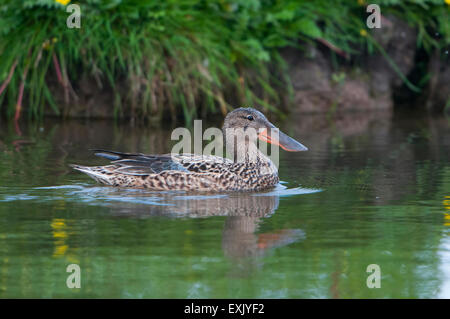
[137,163]
[141,164]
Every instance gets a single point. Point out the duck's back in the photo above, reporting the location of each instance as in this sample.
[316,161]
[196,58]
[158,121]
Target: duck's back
[181,172]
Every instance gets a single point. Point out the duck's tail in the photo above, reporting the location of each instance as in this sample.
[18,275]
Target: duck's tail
[99,173]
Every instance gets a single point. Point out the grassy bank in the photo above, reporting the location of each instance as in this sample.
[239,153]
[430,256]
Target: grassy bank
[179,57]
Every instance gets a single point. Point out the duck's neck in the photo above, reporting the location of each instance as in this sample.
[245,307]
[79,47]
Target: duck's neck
[241,147]
[246,152]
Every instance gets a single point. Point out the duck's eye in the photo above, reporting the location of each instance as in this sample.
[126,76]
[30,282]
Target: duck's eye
[250,117]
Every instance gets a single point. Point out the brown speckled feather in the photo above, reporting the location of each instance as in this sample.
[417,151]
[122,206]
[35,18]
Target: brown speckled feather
[181,172]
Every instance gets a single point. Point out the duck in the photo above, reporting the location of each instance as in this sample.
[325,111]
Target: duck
[246,169]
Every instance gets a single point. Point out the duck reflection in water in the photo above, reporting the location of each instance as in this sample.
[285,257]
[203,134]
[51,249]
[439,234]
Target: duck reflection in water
[241,242]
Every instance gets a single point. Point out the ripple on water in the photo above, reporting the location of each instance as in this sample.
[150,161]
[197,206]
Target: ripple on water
[176,202]
[283,191]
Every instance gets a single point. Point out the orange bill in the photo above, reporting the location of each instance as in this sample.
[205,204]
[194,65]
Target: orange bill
[276,137]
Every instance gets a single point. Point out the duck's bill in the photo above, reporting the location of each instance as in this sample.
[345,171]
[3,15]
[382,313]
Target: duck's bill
[276,137]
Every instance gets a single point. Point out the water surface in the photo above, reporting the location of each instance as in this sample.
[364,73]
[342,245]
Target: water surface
[372,189]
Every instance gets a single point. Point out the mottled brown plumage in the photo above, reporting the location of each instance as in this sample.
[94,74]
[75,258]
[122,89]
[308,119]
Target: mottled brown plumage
[251,172]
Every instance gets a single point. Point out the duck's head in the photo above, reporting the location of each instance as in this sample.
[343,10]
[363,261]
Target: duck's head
[241,119]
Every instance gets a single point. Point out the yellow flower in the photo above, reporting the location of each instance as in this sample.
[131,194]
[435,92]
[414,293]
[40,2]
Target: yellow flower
[446,202]
[447,2]
[60,250]
[362,2]
[63,2]
[363,32]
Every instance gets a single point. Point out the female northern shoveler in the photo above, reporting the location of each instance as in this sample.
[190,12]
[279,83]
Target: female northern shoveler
[252,172]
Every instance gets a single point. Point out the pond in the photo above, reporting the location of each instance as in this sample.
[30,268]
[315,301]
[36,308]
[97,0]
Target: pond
[373,188]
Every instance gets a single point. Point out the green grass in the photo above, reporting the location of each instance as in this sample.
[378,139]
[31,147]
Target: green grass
[179,57]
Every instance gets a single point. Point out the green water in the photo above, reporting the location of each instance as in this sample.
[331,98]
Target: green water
[372,189]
